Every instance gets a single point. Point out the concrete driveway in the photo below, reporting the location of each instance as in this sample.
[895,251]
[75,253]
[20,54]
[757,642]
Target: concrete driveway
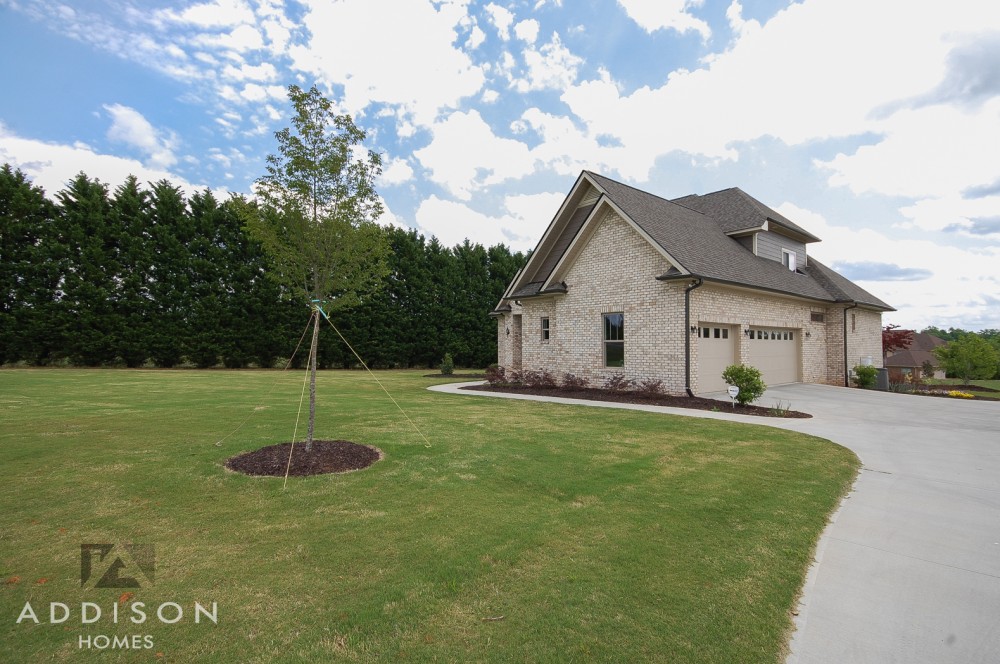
[908,571]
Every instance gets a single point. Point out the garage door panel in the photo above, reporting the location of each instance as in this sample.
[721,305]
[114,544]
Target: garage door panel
[775,351]
[716,351]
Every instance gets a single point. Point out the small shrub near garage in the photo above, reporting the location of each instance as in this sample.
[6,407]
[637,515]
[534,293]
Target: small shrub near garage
[864,377]
[748,379]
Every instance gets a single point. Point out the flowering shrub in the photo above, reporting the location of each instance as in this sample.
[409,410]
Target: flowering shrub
[961,395]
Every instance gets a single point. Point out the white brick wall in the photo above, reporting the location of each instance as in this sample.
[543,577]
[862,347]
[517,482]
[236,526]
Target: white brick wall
[616,272]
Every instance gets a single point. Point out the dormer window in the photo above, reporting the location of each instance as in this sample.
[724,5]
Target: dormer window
[788,259]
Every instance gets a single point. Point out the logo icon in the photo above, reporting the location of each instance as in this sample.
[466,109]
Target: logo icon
[120,572]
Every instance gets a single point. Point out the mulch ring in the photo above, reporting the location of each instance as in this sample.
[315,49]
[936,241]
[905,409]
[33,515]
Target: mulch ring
[595,394]
[326,456]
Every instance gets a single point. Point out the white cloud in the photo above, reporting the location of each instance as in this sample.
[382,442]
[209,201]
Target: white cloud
[652,15]
[527,30]
[222,13]
[476,38]
[795,79]
[130,127]
[519,227]
[951,212]
[52,165]
[946,298]
[465,155]
[263,73]
[424,71]
[552,66]
[396,172]
[930,151]
[501,18]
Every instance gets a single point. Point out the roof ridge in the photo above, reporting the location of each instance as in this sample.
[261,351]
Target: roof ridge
[645,193]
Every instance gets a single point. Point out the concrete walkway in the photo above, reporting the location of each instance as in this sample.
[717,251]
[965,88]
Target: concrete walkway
[908,570]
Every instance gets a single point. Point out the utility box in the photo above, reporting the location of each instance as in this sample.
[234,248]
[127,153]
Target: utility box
[882,380]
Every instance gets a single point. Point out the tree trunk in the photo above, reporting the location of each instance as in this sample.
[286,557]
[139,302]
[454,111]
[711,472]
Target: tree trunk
[312,381]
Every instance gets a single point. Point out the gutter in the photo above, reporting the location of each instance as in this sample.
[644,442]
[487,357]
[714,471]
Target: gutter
[687,334]
[847,372]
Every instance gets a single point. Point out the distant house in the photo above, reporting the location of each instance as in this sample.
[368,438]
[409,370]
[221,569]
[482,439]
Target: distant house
[623,281]
[910,361]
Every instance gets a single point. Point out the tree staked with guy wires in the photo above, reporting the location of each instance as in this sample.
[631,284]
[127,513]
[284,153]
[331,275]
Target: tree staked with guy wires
[315,215]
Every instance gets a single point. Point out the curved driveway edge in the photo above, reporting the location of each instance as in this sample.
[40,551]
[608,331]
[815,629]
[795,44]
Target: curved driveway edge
[908,570]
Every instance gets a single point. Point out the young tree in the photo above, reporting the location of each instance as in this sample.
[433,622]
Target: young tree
[894,339]
[316,214]
[970,357]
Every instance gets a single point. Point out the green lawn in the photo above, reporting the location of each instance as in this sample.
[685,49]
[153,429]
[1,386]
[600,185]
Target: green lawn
[526,532]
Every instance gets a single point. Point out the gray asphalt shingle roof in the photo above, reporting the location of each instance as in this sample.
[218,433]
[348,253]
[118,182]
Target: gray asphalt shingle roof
[697,240]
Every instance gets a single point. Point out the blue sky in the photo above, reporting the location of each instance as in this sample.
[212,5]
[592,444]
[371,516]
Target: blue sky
[875,125]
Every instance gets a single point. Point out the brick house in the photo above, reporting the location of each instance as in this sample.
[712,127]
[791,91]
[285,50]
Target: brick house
[911,360]
[624,281]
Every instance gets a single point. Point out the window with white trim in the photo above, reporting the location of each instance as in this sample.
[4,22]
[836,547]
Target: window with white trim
[545,329]
[788,259]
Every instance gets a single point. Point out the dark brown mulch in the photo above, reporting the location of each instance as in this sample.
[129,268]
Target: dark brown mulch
[326,456]
[472,376]
[594,394]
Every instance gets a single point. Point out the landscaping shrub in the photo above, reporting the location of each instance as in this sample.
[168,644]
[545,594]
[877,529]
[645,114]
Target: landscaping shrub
[575,382]
[864,377]
[748,379]
[496,375]
[650,388]
[617,382]
[540,379]
[447,365]
[515,378]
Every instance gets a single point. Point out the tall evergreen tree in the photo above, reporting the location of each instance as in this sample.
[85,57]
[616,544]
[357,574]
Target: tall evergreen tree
[129,215]
[170,230]
[28,275]
[88,319]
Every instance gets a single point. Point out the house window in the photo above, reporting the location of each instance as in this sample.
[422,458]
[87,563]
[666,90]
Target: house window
[788,259]
[854,323]
[545,329]
[614,340]
[817,317]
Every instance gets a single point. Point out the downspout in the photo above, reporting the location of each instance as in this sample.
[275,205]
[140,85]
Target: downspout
[687,334]
[847,372]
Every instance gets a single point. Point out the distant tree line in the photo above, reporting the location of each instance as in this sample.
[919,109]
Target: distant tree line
[968,355]
[142,275]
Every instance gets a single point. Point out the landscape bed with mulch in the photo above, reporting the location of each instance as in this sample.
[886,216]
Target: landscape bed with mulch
[628,396]
[325,456]
[943,390]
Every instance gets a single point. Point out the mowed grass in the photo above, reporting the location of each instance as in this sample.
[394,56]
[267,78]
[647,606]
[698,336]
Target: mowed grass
[525,532]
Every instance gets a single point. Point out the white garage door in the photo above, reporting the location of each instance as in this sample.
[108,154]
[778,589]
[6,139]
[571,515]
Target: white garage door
[775,351]
[716,351]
